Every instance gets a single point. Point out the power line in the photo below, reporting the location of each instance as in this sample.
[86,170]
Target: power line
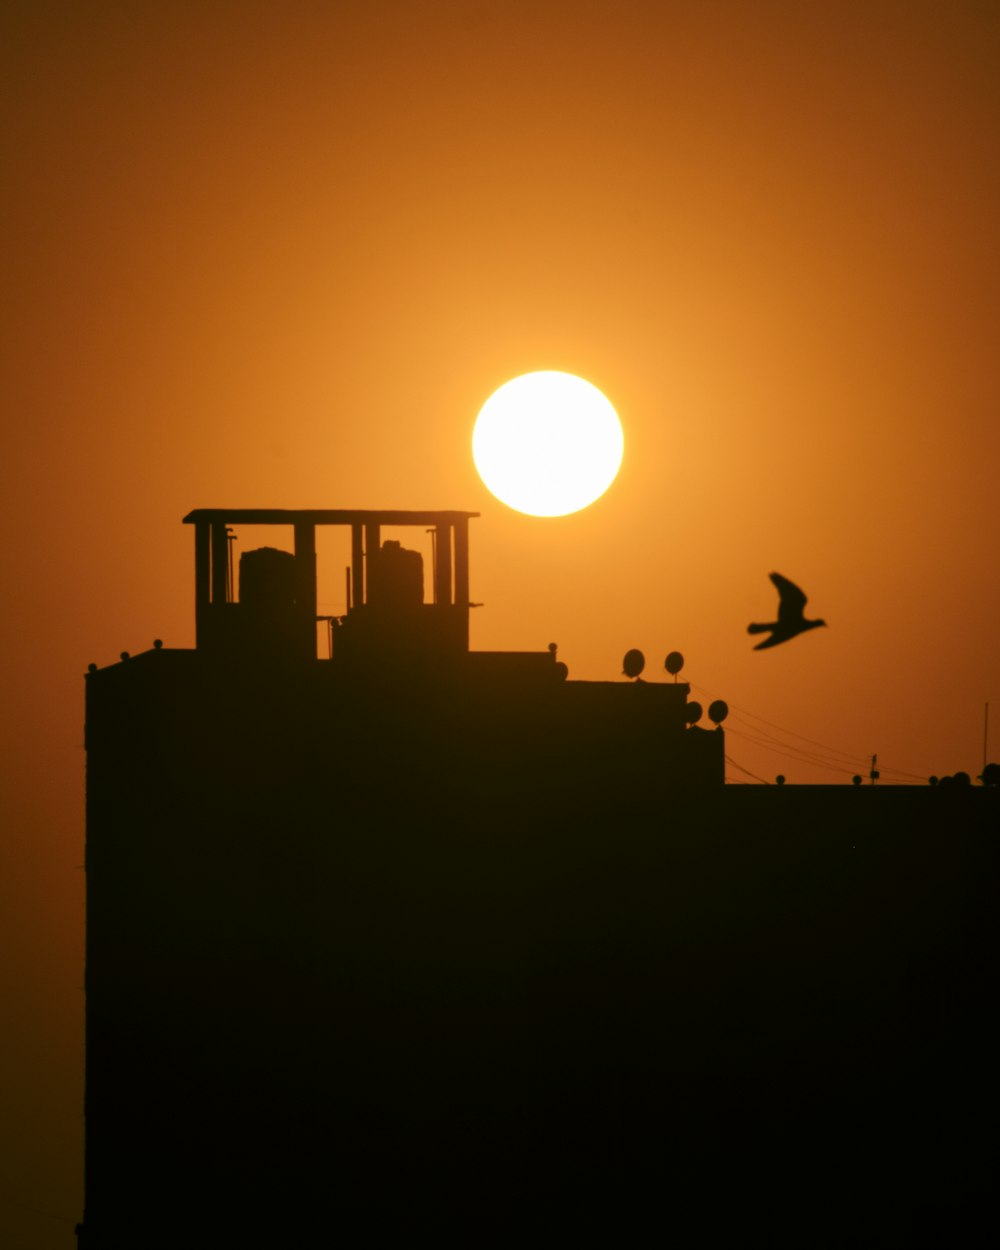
[798,756]
[729,760]
[854,757]
[832,758]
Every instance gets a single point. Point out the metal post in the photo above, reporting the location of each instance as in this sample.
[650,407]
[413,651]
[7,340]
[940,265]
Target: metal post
[357,596]
[220,564]
[305,585]
[442,565]
[462,600]
[230,538]
[202,585]
[372,543]
[986,736]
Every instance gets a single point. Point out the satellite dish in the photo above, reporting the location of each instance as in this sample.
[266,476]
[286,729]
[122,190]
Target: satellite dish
[718,711]
[633,663]
[692,713]
[674,663]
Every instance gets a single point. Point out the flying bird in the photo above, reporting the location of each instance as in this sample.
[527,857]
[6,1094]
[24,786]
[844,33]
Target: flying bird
[791,621]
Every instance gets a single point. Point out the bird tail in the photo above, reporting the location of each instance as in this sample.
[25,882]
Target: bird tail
[758,629]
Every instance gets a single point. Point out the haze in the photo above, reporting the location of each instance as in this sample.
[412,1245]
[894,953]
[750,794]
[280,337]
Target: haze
[263,256]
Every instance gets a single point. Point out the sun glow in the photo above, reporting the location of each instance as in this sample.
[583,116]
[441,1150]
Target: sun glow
[547,443]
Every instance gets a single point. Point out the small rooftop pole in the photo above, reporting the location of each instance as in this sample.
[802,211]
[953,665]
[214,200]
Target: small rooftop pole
[986,736]
[434,559]
[220,564]
[230,538]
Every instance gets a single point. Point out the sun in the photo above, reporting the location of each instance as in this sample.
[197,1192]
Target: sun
[547,443]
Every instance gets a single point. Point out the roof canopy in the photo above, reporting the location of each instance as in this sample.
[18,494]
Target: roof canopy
[322,516]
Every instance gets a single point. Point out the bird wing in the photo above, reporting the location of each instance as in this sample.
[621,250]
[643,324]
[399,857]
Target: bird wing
[791,600]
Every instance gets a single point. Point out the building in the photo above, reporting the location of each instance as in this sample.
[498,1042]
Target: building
[412,940]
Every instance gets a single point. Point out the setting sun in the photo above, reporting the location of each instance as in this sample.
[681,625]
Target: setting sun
[547,443]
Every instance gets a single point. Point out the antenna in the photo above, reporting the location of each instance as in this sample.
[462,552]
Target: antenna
[692,713]
[633,663]
[674,663]
[986,736]
[718,710]
[434,558]
[874,774]
[230,539]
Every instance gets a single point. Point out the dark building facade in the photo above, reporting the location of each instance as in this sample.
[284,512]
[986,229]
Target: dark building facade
[417,941]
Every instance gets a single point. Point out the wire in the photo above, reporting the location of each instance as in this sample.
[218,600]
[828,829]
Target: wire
[846,755]
[799,757]
[729,760]
[832,758]
[831,752]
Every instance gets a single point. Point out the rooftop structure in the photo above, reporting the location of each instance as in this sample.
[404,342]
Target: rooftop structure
[280,596]
[392,940]
[399,647]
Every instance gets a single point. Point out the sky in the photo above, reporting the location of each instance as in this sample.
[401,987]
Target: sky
[262,255]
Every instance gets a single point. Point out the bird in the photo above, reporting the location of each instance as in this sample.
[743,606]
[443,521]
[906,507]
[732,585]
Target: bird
[791,621]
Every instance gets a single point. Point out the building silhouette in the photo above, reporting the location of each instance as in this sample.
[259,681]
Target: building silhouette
[412,940]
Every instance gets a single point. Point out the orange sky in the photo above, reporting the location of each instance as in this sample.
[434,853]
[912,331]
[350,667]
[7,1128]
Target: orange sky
[279,255]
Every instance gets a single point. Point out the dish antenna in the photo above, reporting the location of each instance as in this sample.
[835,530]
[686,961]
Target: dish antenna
[674,663]
[692,713]
[633,663]
[718,711]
